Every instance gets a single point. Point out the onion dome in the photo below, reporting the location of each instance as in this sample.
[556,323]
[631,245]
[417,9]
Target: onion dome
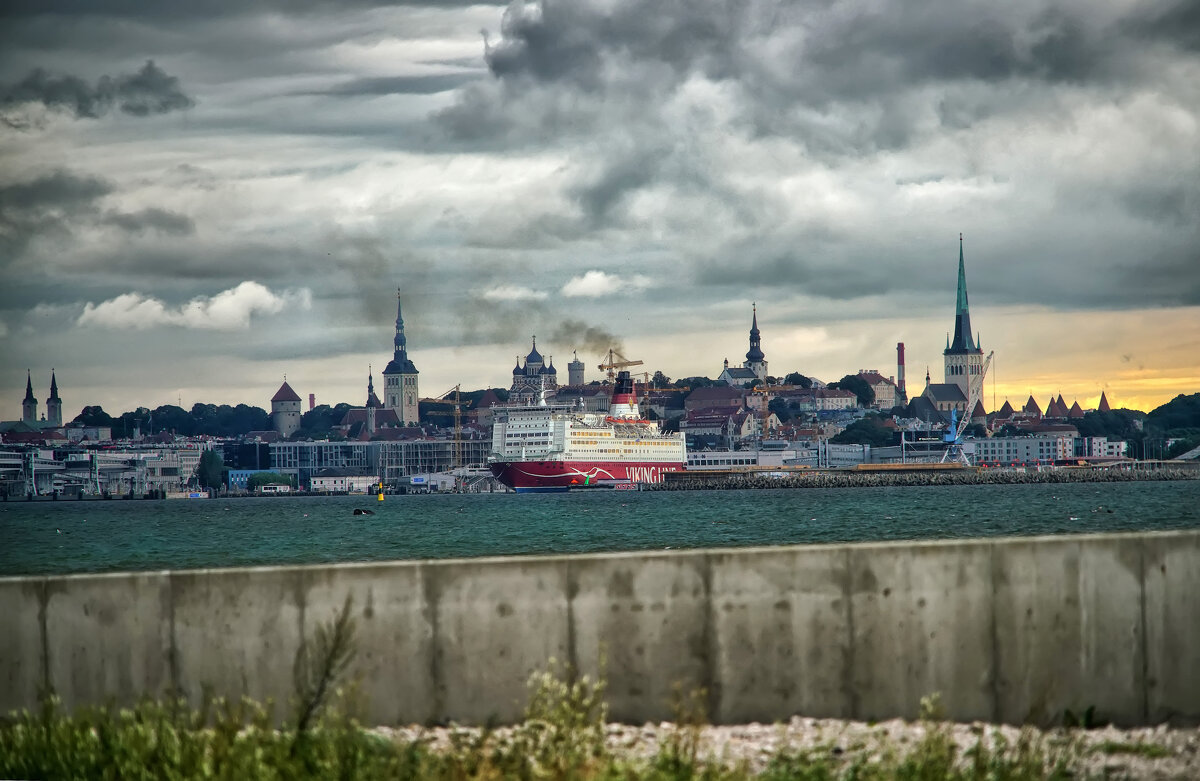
[534,356]
[517,369]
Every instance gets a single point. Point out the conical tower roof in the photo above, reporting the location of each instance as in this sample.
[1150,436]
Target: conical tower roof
[1076,411]
[1104,403]
[285,393]
[1032,407]
[1006,411]
[963,341]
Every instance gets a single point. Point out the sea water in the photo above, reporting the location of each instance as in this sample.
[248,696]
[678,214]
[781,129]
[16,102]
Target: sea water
[97,536]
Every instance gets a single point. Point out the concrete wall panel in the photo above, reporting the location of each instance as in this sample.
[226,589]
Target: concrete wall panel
[237,631]
[646,617]
[1172,611]
[393,665]
[496,622]
[111,637]
[1014,630]
[1068,624]
[782,621]
[22,672]
[921,623]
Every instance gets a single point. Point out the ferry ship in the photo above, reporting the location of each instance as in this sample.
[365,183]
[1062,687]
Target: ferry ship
[559,446]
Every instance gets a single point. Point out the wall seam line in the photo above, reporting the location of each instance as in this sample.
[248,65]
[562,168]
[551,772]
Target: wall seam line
[43,609]
[1144,644]
[995,671]
[851,641]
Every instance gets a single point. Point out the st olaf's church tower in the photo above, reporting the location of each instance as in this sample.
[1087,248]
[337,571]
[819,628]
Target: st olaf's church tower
[963,356]
[400,377]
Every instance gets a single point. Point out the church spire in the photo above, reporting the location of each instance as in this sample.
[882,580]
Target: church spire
[400,342]
[53,387]
[29,404]
[963,341]
[755,354]
[372,399]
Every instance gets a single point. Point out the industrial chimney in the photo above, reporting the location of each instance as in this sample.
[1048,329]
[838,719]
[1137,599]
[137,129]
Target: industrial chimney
[312,401]
[901,391]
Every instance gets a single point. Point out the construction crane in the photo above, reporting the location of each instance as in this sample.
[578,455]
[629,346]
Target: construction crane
[954,449]
[456,401]
[616,361]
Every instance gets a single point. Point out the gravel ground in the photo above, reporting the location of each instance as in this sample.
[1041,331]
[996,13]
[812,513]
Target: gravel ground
[1108,752]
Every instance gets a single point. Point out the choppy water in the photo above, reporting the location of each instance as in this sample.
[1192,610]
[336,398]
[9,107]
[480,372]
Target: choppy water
[62,537]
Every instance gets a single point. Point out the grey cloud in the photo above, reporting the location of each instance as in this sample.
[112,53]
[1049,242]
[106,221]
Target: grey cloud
[159,220]
[149,91]
[207,8]
[45,206]
[1178,24]
[430,84]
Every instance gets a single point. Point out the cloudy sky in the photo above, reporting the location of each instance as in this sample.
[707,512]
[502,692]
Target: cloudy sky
[199,198]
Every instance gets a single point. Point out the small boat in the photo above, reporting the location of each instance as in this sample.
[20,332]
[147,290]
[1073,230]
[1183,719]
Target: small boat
[361,511]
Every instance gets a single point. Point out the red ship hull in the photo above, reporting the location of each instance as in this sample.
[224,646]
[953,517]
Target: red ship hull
[527,476]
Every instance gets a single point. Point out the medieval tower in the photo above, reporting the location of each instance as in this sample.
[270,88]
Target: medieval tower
[400,377]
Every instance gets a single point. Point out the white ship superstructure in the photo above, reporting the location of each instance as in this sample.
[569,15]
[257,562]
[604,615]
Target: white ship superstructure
[555,446]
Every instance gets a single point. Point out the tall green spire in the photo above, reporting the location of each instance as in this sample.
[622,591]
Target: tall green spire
[963,341]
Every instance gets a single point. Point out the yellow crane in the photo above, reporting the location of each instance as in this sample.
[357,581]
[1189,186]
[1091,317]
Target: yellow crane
[457,402]
[616,361]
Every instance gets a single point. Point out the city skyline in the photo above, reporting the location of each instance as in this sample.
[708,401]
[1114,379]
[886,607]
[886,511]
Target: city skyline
[197,201]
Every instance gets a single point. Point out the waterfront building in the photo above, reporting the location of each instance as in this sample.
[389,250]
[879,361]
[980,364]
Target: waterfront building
[391,460]
[1037,449]
[285,410]
[400,390]
[885,388]
[343,481]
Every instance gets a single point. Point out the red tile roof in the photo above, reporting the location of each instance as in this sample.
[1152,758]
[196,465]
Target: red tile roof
[285,393]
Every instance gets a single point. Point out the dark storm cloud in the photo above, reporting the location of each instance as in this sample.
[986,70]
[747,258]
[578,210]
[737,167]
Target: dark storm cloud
[159,220]
[45,206]
[149,91]
[58,204]
[430,84]
[209,8]
[1178,23]
[1169,277]
[785,59]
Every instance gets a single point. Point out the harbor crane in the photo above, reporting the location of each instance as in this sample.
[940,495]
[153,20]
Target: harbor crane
[457,403]
[954,449]
[616,361]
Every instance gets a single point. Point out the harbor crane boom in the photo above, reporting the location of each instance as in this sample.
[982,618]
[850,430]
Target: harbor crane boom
[616,361]
[974,394]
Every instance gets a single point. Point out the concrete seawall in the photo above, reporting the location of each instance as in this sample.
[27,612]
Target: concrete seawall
[1009,630]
